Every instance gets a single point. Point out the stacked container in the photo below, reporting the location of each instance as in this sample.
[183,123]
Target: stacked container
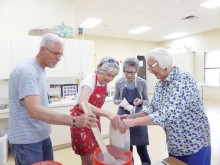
[3,147]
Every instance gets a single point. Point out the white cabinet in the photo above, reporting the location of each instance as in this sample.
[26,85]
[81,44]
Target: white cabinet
[5,62]
[60,134]
[87,57]
[24,47]
[78,59]
[72,55]
[79,56]
[105,123]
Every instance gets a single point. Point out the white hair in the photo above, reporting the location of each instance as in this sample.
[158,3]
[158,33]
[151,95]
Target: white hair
[49,39]
[162,56]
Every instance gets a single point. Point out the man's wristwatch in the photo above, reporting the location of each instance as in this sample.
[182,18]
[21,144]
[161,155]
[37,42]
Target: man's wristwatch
[74,122]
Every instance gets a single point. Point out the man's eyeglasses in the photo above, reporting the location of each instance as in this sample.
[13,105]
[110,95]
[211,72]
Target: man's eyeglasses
[55,53]
[130,73]
[152,66]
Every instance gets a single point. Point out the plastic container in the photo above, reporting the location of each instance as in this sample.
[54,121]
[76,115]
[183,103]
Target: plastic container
[120,156]
[48,162]
[3,148]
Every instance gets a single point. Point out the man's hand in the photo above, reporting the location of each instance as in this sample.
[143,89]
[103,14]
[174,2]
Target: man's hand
[86,120]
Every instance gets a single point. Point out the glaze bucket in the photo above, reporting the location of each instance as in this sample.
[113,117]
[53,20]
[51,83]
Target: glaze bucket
[120,156]
[48,162]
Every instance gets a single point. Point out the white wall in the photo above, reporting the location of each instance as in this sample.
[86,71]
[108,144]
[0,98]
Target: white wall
[3,89]
[121,49]
[18,17]
[200,43]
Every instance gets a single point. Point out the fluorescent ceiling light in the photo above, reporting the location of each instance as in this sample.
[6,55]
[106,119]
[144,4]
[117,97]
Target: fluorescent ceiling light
[90,23]
[211,4]
[139,30]
[175,35]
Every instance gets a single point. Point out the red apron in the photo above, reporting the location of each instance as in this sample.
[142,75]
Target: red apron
[83,140]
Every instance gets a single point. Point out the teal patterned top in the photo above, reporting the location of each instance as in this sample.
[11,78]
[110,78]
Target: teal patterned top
[177,107]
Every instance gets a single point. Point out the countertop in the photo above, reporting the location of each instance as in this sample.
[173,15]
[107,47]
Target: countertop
[61,103]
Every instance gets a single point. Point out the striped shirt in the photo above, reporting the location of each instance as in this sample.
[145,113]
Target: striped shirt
[28,78]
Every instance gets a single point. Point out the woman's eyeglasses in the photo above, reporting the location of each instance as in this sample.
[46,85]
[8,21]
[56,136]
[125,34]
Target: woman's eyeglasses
[111,61]
[130,73]
[152,66]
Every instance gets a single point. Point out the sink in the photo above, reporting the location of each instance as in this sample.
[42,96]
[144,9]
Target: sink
[3,106]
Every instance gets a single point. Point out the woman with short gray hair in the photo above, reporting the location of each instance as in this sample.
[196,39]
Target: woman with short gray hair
[93,88]
[108,64]
[131,96]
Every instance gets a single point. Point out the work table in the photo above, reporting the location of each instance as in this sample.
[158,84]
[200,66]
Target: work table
[61,103]
[62,140]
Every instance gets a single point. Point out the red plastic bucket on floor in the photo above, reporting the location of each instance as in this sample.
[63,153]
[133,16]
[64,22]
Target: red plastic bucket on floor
[48,162]
[126,157]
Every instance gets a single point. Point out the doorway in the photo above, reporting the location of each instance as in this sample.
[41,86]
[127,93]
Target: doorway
[142,69]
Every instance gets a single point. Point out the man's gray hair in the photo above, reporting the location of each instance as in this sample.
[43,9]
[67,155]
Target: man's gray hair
[48,40]
[131,62]
[162,56]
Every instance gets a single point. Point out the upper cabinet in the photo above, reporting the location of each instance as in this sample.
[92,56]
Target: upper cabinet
[87,57]
[72,56]
[5,62]
[78,59]
[24,47]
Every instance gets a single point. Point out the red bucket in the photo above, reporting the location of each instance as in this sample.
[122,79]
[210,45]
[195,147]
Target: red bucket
[48,162]
[125,157]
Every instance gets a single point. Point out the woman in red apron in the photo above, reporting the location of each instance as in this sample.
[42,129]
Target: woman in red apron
[92,89]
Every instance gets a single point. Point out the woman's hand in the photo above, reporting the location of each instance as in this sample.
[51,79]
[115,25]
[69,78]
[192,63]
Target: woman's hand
[121,125]
[115,122]
[125,124]
[111,116]
[138,101]
[125,116]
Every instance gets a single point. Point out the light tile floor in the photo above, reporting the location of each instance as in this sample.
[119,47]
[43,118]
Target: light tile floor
[157,145]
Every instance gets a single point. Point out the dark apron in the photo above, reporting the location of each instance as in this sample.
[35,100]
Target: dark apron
[138,134]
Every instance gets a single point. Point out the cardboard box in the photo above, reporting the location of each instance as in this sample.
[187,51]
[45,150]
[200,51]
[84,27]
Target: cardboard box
[173,161]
